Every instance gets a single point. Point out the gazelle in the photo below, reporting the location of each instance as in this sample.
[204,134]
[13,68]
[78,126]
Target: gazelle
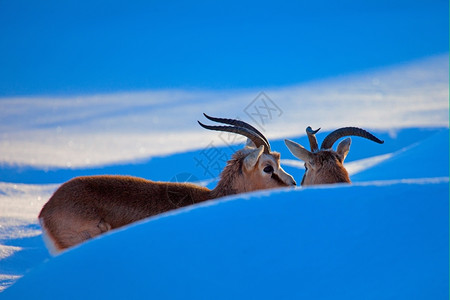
[325,165]
[85,207]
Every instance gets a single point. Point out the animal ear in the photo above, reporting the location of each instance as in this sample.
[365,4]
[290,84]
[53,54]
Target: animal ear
[252,158]
[299,151]
[250,144]
[343,148]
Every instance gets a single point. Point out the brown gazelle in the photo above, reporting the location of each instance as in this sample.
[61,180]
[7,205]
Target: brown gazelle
[325,165]
[85,207]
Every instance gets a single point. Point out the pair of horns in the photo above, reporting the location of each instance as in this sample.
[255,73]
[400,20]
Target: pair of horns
[331,138]
[239,127]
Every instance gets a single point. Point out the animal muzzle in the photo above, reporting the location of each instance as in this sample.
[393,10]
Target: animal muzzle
[284,178]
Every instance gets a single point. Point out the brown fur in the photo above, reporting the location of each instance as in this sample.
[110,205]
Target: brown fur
[85,207]
[322,166]
[326,167]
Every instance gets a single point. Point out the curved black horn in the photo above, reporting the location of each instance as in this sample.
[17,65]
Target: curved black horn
[347,131]
[238,123]
[312,138]
[254,137]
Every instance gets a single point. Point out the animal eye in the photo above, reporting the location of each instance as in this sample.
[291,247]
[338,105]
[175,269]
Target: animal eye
[268,169]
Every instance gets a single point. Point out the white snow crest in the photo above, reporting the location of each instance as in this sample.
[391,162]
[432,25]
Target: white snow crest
[101,129]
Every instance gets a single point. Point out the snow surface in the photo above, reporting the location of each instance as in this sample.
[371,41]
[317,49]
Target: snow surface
[87,131]
[384,236]
[372,241]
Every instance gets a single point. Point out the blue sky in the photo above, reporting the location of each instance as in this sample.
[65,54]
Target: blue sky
[85,47]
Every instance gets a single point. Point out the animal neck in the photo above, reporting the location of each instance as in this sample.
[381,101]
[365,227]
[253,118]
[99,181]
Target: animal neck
[333,175]
[223,188]
[230,177]
[331,170]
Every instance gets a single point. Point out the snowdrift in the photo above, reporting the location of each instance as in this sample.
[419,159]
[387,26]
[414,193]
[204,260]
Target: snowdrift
[373,241]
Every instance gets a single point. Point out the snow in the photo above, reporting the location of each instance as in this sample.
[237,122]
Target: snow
[87,131]
[383,237]
[382,241]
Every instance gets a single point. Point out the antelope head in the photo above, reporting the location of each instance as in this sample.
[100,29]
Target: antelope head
[325,165]
[257,167]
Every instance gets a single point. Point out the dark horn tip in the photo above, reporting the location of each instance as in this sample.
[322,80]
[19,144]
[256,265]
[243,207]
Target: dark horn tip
[310,130]
[210,118]
[377,140]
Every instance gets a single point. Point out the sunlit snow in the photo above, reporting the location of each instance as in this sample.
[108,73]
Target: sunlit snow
[46,141]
